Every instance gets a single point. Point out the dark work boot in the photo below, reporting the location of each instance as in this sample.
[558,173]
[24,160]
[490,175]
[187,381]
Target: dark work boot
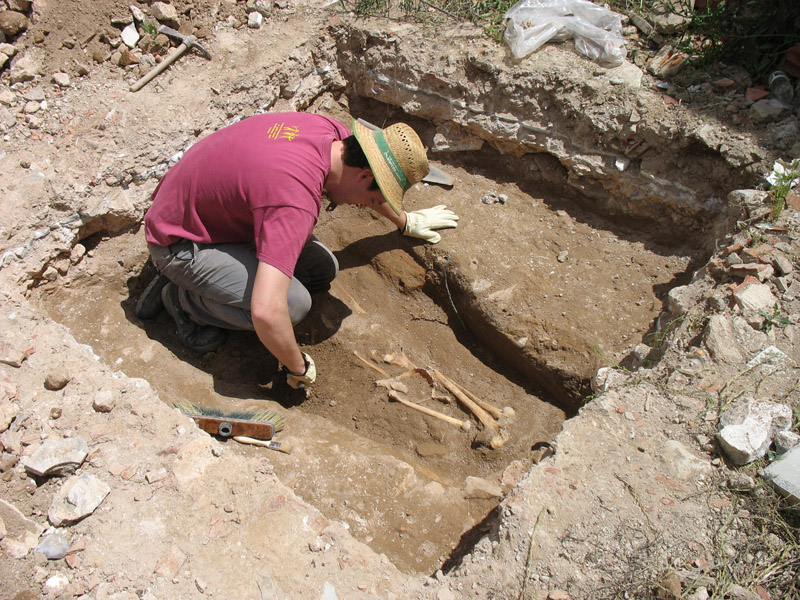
[150,303]
[200,338]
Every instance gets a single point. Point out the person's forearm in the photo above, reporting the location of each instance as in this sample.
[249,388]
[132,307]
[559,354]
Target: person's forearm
[386,211]
[277,334]
[271,320]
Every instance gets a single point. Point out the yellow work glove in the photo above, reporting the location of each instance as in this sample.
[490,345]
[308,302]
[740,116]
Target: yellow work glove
[308,377]
[421,223]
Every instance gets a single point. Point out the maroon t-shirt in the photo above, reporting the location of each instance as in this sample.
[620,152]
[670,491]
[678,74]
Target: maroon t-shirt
[259,179]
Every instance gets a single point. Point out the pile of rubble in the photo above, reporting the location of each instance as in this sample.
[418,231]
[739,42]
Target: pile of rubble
[748,296]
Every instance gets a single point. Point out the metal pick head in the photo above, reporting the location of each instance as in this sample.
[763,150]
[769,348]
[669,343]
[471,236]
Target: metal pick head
[189,40]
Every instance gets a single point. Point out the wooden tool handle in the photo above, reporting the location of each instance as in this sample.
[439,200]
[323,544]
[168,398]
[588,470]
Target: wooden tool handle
[159,68]
[284,447]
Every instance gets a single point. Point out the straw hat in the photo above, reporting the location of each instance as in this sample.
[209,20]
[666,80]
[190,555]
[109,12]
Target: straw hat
[397,159]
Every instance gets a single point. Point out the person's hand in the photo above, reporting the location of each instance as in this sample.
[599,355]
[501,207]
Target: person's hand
[421,223]
[308,377]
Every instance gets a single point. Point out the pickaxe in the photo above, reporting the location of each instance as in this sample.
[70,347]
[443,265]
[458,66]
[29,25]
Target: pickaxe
[187,41]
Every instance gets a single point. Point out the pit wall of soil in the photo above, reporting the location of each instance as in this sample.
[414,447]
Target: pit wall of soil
[583,128]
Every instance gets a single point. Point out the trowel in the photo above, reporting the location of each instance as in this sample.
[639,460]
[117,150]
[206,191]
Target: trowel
[434,175]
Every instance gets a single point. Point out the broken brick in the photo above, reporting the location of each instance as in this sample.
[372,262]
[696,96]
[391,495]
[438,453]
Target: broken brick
[755,94]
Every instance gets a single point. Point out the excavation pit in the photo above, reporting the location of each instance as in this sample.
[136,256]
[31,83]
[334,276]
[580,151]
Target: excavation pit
[520,305]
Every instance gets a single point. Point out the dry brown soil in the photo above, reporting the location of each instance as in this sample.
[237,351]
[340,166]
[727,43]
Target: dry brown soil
[356,455]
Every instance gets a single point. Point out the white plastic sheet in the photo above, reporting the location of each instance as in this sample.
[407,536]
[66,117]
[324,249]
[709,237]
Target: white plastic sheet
[597,32]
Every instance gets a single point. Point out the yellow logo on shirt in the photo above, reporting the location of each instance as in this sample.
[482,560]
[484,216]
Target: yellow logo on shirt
[283,131]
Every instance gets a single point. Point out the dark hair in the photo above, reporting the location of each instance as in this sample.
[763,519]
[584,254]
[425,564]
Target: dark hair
[354,157]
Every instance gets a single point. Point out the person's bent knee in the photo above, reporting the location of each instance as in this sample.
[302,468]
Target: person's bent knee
[299,302]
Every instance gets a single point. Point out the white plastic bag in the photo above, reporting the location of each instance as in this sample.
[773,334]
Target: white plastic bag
[597,32]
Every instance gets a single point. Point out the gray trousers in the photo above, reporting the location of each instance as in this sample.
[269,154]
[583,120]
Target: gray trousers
[215,281]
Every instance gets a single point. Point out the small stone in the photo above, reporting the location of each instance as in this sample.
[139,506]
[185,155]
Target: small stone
[8,412]
[35,94]
[57,457]
[785,441]
[156,476]
[262,6]
[127,58]
[56,584]
[669,587]
[784,474]
[22,6]
[53,546]
[104,401]
[61,80]
[746,430]
[477,487]
[12,23]
[78,498]
[130,36]
[558,595]
[56,380]
[782,264]
[138,14]
[767,110]
[737,592]
[164,12]
[753,299]
[200,585]
[255,20]
[55,412]
[143,494]
[741,482]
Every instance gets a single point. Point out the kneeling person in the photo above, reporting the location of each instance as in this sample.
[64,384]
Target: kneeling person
[230,228]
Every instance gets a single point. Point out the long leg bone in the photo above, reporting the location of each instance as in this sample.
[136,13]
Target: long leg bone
[464,425]
[498,440]
[482,415]
[491,409]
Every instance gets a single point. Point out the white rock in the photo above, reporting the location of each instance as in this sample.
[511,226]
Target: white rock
[137,13]
[262,6]
[768,109]
[130,36]
[720,339]
[784,474]
[255,20]
[164,12]
[78,498]
[746,430]
[785,441]
[59,457]
[681,299]
[56,584]
[8,412]
[753,299]
[607,378]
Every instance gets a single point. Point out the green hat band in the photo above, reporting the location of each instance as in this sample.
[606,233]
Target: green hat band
[391,160]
